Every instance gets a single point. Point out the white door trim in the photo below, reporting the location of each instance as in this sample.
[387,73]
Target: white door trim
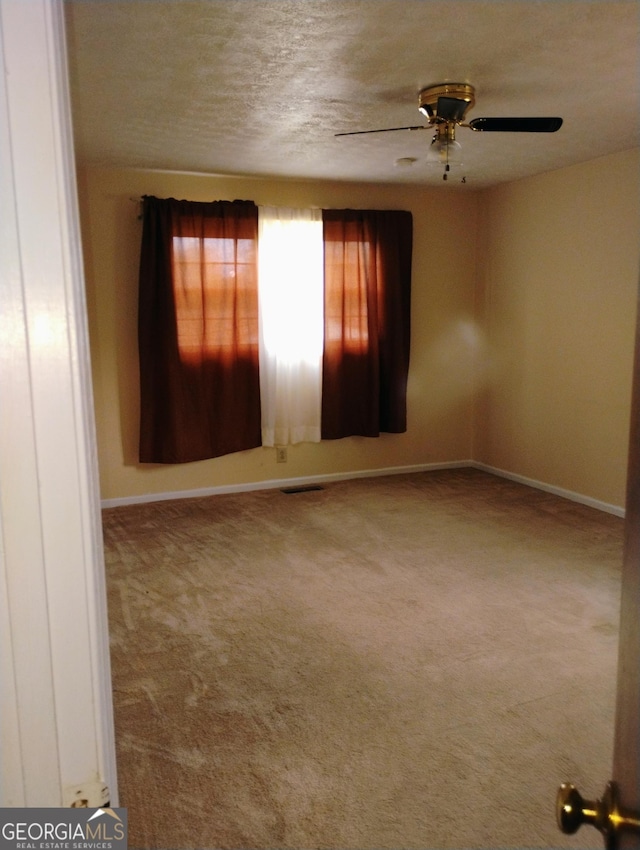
[57,733]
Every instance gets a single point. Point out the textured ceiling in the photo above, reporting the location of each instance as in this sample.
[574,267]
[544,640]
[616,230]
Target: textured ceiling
[260,87]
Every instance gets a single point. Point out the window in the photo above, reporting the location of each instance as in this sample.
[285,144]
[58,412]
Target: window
[346,303]
[288,326]
[290,289]
[210,276]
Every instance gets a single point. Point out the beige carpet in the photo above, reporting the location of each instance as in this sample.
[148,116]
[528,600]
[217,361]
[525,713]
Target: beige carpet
[414,661]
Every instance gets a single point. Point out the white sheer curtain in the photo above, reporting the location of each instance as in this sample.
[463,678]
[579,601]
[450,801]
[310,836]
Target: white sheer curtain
[291,320]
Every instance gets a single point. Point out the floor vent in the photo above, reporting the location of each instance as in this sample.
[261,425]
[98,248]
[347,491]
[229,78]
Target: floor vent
[291,490]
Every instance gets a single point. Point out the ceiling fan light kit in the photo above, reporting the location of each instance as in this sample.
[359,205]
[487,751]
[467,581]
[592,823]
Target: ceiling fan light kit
[444,151]
[445,106]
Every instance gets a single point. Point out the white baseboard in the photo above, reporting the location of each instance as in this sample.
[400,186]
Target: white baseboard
[277,483]
[302,481]
[549,488]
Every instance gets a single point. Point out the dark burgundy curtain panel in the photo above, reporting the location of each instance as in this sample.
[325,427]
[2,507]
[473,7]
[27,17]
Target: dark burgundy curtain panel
[367,255]
[198,330]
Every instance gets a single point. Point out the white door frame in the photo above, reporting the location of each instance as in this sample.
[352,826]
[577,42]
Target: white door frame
[56,717]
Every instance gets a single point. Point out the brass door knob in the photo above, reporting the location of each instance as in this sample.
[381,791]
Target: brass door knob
[572,810]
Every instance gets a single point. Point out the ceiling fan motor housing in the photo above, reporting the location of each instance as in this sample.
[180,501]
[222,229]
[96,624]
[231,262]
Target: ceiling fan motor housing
[446,101]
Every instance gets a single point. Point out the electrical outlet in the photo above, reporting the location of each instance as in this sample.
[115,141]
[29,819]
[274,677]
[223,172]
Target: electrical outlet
[281,454]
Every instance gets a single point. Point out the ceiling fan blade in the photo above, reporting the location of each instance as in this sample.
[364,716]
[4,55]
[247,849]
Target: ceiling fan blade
[387,130]
[516,125]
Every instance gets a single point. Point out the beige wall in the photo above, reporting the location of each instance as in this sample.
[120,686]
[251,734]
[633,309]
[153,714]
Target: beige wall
[523,316]
[444,335]
[557,287]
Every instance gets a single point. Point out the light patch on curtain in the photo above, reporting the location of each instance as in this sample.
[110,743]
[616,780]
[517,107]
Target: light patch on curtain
[207,288]
[291,323]
[347,308]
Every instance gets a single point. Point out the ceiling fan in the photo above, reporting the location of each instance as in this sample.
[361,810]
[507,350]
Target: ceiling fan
[445,105]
